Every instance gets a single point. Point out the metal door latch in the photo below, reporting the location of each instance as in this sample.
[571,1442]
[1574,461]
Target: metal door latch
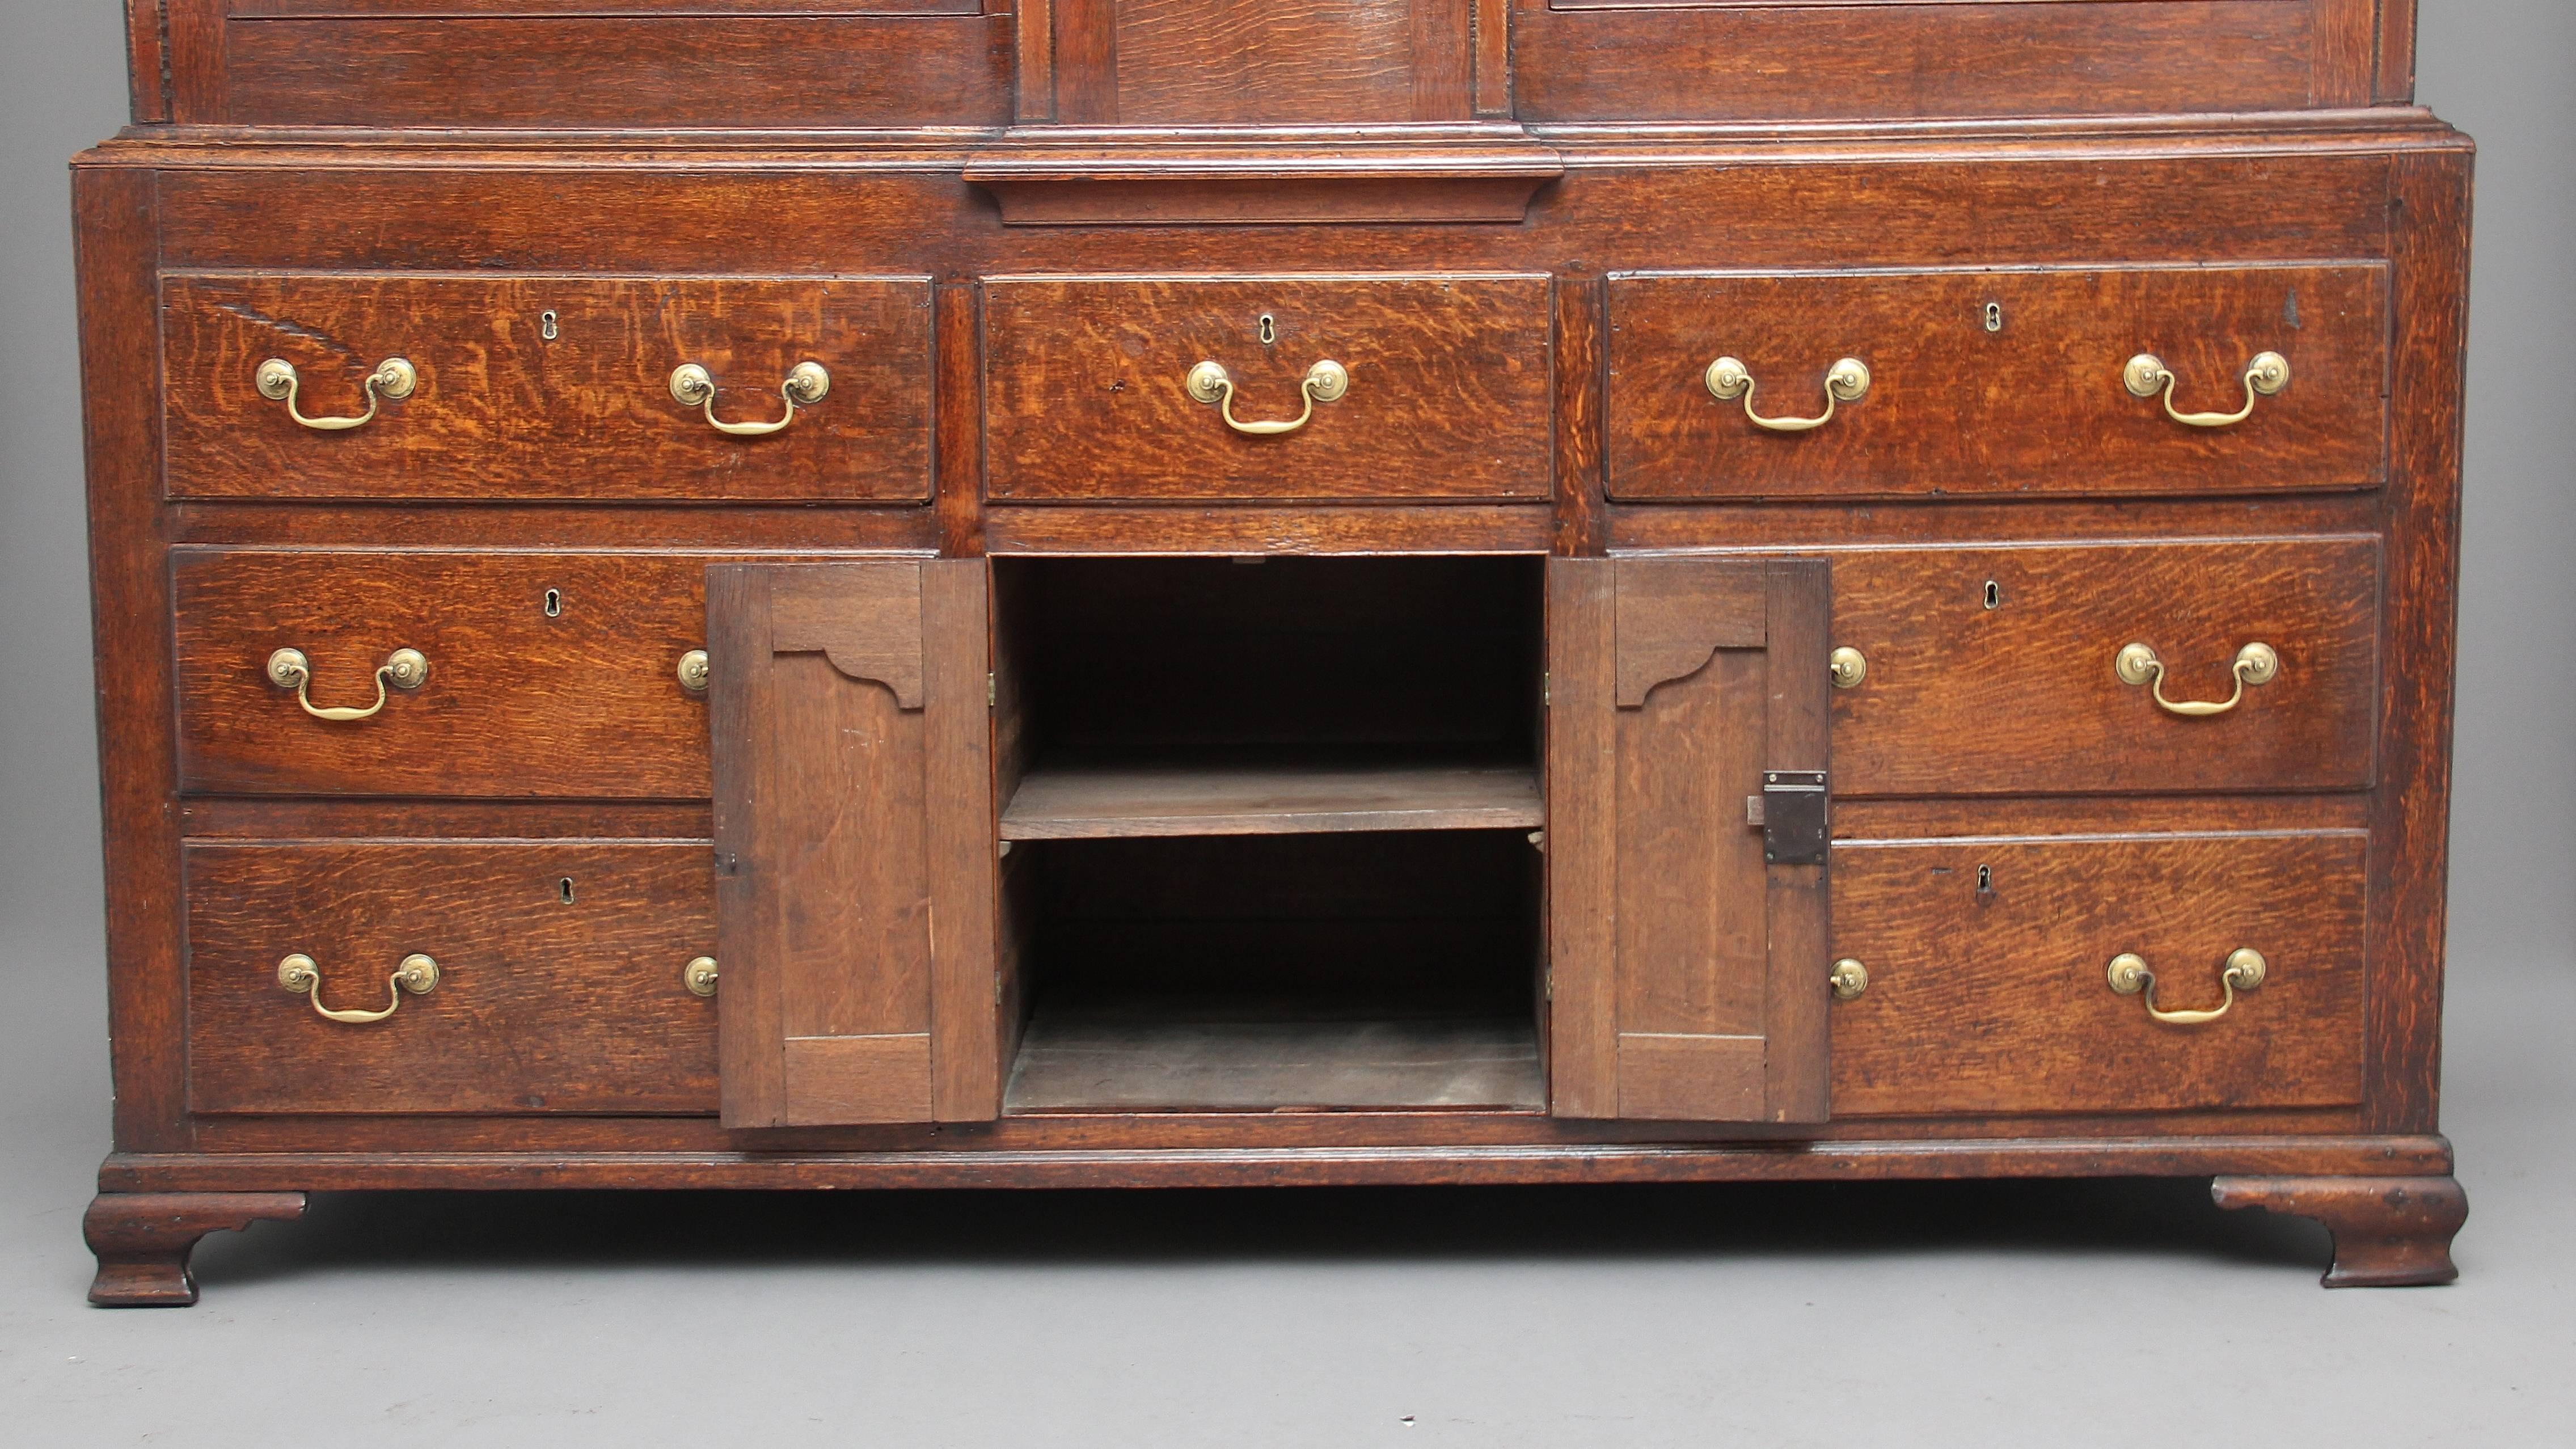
[1791,812]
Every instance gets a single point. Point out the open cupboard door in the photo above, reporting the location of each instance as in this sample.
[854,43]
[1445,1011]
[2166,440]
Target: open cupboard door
[1686,839]
[854,841]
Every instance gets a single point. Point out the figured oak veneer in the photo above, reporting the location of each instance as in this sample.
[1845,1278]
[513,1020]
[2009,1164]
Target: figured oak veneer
[1995,382]
[548,387]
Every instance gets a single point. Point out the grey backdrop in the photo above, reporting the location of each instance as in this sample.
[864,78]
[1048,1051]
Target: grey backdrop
[2019,1313]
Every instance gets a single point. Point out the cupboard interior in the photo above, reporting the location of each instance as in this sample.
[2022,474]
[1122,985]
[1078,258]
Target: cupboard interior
[1267,832]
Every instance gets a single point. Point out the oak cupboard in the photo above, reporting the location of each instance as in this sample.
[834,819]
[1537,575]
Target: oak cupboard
[1153,592]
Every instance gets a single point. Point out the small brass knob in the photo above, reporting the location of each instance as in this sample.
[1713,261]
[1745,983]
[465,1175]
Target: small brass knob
[1849,667]
[699,976]
[1849,979]
[693,671]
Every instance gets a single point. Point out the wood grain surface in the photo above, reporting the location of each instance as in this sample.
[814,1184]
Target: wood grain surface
[853,818]
[1693,60]
[1073,802]
[1961,699]
[1678,949]
[543,1003]
[1449,387]
[503,411]
[587,703]
[2036,407]
[1995,998]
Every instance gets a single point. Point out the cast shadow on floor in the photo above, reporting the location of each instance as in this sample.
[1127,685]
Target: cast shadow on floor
[505,1232]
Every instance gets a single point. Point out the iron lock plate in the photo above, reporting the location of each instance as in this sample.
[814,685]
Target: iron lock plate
[1793,817]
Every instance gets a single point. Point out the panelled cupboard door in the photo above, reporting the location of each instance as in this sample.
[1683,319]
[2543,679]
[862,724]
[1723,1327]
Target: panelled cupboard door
[1688,973]
[854,840]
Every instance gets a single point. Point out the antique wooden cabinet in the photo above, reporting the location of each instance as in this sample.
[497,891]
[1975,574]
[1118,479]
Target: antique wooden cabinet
[916,593]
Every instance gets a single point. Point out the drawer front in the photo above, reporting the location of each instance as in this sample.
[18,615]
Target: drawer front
[559,981]
[1998,382]
[1995,671]
[536,387]
[1087,387]
[1989,983]
[584,702]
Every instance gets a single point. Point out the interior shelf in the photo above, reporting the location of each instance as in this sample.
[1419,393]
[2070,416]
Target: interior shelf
[1098,801]
[1144,1059]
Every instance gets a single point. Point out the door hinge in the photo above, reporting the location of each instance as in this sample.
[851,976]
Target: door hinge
[1546,690]
[1791,812]
[992,691]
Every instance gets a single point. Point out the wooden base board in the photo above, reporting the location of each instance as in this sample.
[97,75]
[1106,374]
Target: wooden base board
[969,1167]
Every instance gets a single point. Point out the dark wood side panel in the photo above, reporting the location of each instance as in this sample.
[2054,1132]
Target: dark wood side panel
[1988,973]
[1617,60]
[854,766]
[548,387]
[591,70]
[2412,813]
[115,236]
[2023,697]
[147,60]
[559,986]
[2396,73]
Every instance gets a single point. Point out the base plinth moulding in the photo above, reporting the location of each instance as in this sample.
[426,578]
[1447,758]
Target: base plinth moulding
[143,1239]
[2389,1232]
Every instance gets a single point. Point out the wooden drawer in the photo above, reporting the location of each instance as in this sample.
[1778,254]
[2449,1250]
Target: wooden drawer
[1989,986]
[1087,396]
[1993,671]
[585,701]
[547,387]
[1998,382]
[559,977]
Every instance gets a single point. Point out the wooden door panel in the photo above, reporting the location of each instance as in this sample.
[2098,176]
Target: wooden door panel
[1687,967]
[854,842]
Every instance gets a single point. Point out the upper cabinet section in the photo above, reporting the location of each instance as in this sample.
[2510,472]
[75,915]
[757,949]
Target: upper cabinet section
[571,64]
[1851,60]
[851,64]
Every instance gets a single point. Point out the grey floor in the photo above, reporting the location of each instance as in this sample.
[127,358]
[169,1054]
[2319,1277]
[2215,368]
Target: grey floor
[2106,1314]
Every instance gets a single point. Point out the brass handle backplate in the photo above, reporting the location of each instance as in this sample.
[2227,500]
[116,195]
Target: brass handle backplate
[692,386]
[694,671]
[299,975]
[393,378]
[1845,381]
[403,669]
[2137,664]
[1849,667]
[699,976]
[1326,381]
[2146,375]
[2245,971]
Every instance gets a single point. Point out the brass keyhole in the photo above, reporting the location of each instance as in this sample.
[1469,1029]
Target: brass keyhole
[1994,594]
[1267,329]
[546,325]
[563,890]
[1994,316]
[1985,880]
[554,603]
